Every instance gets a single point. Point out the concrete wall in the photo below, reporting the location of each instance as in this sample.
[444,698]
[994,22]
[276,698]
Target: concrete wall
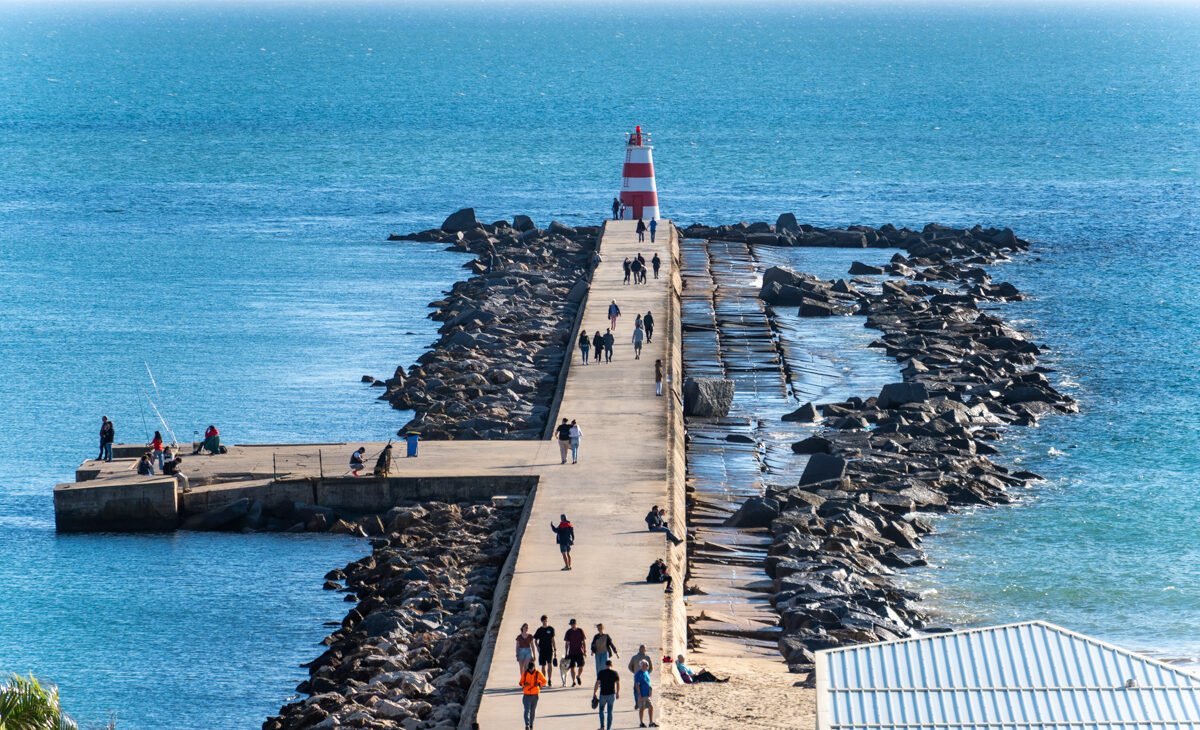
[675,627]
[133,505]
[377,495]
[215,496]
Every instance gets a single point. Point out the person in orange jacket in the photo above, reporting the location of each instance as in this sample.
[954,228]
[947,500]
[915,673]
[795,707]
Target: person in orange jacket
[532,681]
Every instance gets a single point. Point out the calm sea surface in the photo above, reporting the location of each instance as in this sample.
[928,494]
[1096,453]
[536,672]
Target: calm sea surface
[206,191]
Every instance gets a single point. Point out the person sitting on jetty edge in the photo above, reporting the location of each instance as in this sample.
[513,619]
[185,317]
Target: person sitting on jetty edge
[564,535]
[383,465]
[173,468]
[660,574]
[356,461]
[145,467]
[656,522]
[211,442]
[690,677]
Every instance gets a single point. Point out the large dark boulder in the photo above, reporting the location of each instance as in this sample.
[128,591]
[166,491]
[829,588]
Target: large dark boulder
[858,268]
[755,512]
[813,445]
[895,395]
[786,222]
[823,468]
[462,220]
[785,277]
[806,413]
[782,294]
[815,308]
[707,397]
[226,517]
[523,223]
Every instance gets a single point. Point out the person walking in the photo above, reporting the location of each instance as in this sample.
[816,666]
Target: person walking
[532,682]
[637,343]
[616,208]
[564,535]
[648,324]
[606,692]
[584,345]
[621,214]
[656,263]
[658,377]
[358,460]
[547,650]
[642,692]
[653,230]
[641,230]
[597,346]
[609,341]
[636,268]
[575,643]
[642,260]
[637,322]
[524,648]
[576,434]
[628,265]
[564,439]
[602,647]
[613,313]
[108,434]
[635,661]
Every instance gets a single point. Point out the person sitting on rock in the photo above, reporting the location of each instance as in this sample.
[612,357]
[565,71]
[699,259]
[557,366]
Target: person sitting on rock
[690,677]
[659,573]
[211,442]
[383,465]
[656,522]
[356,461]
[145,467]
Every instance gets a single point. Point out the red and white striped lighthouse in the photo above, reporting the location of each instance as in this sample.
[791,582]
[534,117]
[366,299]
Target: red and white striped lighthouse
[639,194]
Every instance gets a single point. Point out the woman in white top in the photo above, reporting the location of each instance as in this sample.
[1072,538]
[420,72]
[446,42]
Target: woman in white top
[575,434]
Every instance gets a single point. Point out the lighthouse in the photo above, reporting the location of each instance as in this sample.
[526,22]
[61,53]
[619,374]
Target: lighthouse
[639,194]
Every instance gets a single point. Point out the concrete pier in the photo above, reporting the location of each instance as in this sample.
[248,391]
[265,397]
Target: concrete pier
[631,458]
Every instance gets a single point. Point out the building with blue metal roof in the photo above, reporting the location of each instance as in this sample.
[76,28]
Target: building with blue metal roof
[1011,677]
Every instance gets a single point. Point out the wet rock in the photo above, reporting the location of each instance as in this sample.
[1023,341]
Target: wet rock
[754,512]
[895,395]
[806,413]
[858,268]
[823,468]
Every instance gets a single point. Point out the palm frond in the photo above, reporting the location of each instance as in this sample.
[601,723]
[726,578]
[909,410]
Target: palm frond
[27,704]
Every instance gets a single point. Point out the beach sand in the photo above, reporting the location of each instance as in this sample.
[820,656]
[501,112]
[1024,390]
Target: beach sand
[760,693]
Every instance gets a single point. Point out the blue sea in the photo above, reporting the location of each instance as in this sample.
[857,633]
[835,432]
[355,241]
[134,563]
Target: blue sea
[202,192]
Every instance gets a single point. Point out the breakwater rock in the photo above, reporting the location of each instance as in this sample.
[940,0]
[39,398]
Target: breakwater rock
[494,370]
[882,462]
[405,655]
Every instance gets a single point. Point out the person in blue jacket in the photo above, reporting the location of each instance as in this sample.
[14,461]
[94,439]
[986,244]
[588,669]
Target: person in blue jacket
[564,535]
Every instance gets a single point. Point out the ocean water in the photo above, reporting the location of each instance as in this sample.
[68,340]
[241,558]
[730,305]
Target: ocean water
[205,189]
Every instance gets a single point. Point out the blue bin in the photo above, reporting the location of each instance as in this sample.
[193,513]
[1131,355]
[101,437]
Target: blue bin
[413,439]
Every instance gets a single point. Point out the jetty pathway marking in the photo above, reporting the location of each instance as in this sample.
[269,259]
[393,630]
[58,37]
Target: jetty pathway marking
[622,472]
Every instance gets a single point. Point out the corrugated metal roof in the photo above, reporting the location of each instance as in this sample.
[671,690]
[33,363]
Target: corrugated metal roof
[1011,677]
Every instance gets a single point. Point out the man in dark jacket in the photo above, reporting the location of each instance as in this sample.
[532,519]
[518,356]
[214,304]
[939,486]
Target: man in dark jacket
[659,573]
[648,325]
[564,535]
[107,435]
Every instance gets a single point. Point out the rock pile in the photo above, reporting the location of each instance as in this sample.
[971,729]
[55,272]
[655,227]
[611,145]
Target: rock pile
[505,331]
[405,655]
[933,242]
[919,446]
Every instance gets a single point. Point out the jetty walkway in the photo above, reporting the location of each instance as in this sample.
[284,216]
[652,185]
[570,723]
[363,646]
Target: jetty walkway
[631,458]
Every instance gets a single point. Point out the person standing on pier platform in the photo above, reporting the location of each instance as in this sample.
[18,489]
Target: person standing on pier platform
[609,341]
[616,209]
[653,230]
[628,266]
[637,343]
[613,313]
[656,262]
[658,377]
[641,230]
[564,535]
[107,435]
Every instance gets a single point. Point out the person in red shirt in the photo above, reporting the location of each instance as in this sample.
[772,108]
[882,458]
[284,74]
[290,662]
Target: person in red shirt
[576,645]
[156,449]
[211,442]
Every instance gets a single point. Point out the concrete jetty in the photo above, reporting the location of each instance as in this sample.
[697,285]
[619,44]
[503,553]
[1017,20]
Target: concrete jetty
[631,457]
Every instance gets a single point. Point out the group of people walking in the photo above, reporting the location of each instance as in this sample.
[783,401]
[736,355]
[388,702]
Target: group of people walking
[537,670]
[635,268]
[599,347]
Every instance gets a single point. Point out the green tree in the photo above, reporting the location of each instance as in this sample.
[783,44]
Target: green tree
[25,704]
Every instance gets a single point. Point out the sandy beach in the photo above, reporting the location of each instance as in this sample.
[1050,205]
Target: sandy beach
[760,695]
